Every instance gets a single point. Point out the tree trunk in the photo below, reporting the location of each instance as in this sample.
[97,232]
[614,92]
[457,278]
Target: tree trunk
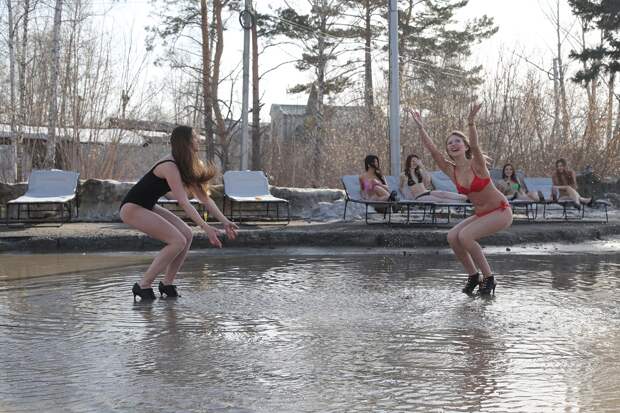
[50,157]
[22,90]
[565,115]
[256,132]
[317,125]
[12,105]
[220,124]
[401,38]
[609,132]
[368,91]
[206,83]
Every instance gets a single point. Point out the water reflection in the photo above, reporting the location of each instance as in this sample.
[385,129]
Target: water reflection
[307,334]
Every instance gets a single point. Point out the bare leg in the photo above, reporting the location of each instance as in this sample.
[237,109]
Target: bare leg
[175,265]
[381,193]
[479,228]
[378,194]
[574,196]
[157,227]
[459,250]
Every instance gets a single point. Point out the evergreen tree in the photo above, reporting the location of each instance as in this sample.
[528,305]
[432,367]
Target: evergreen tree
[603,15]
[433,49]
[367,31]
[320,34]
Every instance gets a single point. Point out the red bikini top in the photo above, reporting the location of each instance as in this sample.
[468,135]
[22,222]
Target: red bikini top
[477,184]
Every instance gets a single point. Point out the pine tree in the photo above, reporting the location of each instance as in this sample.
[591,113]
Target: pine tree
[433,51]
[603,15]
[320,34]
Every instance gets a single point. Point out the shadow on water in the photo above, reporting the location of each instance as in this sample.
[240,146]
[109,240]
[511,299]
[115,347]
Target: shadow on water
[357,332]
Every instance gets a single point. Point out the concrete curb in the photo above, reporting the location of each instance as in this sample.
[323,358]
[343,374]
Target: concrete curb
[324,235]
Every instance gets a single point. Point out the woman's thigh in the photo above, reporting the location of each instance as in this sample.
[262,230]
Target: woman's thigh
[455,230]
[177,222]
[150,223]
[487,225]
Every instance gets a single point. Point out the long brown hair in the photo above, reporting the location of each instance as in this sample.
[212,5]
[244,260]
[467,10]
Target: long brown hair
[465,141]
[194,173]
[513,178]
[565,177]
[418,175]
[370,161]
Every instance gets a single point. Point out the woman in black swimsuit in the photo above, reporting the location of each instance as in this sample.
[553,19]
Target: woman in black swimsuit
[178,173]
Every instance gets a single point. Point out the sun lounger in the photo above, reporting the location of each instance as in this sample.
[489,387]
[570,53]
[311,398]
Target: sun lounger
[412,206]
[544,187]
[351,184]
[246,192]
[55,188]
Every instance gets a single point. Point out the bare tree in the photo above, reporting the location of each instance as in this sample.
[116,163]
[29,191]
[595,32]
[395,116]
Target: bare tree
[50,159]
[12,102]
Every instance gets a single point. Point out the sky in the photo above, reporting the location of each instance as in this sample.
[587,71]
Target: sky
[523,25]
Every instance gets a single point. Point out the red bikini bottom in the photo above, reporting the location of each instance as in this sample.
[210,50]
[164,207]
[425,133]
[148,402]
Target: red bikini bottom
[504,205]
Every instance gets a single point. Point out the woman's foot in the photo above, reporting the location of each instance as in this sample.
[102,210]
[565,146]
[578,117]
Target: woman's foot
[170,290]
[143,293]
[472,281]
[487,286]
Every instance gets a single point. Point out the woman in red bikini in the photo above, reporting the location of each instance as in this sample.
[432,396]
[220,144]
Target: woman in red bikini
[467,168]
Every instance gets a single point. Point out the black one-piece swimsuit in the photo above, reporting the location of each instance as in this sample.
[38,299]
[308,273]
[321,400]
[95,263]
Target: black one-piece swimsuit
[148,189]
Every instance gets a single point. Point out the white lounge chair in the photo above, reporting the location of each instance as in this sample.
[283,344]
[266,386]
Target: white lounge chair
[351,184]
[529,207]
[251,189]
[544,186]
[427,208]
[47,187]
[173,205]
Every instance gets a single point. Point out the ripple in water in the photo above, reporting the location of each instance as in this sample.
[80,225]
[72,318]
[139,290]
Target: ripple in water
[306,334]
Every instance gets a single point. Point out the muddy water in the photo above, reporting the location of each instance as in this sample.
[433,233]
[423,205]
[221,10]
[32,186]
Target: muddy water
[21,266]
[354,332]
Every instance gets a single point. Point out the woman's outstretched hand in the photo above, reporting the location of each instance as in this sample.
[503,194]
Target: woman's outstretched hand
[213,235]
[417,118]
[473,111]
[231,229]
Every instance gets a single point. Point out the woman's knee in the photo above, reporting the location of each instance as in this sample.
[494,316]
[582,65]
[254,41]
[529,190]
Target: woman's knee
[189,236]
[178,242]
[453,238]
[466,240]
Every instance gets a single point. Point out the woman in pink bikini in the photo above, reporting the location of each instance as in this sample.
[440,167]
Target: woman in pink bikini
[372,182]
[467,168]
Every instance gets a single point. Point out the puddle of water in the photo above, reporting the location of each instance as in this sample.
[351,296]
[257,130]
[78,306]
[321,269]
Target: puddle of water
[318,333]
[20,266]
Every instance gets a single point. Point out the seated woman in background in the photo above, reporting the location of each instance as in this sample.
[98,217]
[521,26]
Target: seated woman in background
[513,188]
[565,185]
[415,181]
[372,183]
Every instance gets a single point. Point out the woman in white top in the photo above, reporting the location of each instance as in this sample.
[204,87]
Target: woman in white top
[415,181]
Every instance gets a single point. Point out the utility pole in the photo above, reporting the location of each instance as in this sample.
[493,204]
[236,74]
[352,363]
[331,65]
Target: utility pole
[394,100]
[246,20]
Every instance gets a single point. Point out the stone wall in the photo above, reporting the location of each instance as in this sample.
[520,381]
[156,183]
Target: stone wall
[100,199]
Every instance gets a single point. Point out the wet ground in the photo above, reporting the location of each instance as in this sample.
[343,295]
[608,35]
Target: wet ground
[316,331]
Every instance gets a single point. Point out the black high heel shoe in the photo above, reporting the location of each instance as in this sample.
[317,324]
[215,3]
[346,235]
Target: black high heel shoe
[169,290]
[487,286]
[143,293]
[472,282]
